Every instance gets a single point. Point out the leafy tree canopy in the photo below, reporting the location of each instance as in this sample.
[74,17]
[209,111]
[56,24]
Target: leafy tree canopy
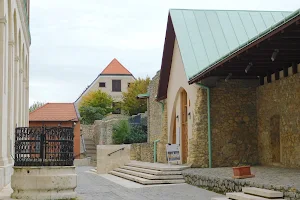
[131,104]
[35,106]
[95,106]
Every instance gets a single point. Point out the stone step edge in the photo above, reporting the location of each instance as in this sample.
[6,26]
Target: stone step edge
[151,171]
[154,168]
[262,192]
[149,176]
[243,196]
[144,181]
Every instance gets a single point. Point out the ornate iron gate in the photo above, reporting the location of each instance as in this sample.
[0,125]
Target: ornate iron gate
[44,146]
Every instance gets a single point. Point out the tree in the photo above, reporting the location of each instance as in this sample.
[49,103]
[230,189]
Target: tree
[131,104]
[95,106]
[35,106]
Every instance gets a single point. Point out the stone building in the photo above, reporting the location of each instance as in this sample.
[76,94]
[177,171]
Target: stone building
[14,78]
[230,92]
[113,80]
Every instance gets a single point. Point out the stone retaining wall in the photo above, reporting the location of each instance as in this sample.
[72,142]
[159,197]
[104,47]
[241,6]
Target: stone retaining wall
[223,185]
[278,109]
[142,152]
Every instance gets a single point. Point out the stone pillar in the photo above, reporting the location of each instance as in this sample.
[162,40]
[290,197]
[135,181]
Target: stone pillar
[16,91]
[3,92]
[20,100]
[10,106]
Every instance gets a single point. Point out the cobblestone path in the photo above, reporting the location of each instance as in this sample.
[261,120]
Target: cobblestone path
[93,187]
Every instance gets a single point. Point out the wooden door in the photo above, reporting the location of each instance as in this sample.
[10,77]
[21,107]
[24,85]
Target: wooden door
[174,131]
[184,127]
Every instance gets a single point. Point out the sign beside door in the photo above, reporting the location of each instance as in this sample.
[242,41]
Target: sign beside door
[173,152]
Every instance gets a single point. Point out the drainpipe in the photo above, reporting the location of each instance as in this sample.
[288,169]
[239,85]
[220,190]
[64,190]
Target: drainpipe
[155,150]
[162,106]
[208,124]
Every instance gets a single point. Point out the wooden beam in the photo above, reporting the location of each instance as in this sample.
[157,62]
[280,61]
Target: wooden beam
[269,80]
[261,80]
[285,71]
[277,75]
[295,68]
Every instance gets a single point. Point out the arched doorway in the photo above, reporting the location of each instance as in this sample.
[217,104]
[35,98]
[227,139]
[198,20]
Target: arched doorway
[184,126]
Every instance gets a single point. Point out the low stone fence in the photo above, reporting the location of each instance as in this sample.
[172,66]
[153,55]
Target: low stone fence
[110,157]
[214,180]
[142,152]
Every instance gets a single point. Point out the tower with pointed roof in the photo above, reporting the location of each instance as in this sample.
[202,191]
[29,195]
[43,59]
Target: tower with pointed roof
[114,79]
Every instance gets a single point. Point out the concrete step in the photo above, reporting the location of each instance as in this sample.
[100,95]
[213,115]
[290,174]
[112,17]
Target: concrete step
[151,171]
[145,181]
[86,142]
[220,198]
[149,176]
[92,151]
[262,192]
[243,196]
[157,166]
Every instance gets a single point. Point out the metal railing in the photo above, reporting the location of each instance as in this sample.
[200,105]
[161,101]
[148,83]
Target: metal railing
[44,146]
[116,151]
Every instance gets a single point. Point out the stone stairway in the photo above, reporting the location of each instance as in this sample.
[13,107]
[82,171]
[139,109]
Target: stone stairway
[91,149]
[252,193]
[150,173]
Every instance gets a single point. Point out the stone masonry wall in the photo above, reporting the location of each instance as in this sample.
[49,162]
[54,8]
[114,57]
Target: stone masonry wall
[278,109]
[103,130]
[198,144]
[154,110]
[161,146]
[234,123]
[87,131]
[142,152]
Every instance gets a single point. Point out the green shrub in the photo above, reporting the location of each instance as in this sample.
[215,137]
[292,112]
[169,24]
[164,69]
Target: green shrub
[120,131]
[125,133]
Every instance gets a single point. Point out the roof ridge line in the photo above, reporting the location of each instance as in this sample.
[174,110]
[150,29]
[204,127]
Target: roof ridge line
[39,107]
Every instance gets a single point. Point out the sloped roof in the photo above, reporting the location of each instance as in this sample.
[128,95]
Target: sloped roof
[115,67]
[55,112]
[205,37]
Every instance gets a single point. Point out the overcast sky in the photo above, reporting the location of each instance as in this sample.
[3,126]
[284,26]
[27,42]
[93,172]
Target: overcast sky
[74,40]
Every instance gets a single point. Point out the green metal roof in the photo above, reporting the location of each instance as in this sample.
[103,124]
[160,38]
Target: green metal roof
[206,37]
[143,96]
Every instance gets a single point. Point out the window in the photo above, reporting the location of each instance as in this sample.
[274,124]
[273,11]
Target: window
[129,84]
[116,108]
[102,84]
[116,85]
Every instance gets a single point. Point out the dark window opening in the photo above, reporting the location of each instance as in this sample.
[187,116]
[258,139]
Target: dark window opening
[102,84]
[116,108]
[116,85]
[129,84]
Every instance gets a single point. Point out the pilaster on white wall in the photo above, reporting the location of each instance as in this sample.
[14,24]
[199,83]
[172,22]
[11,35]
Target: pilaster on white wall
[3,87]
[16,91]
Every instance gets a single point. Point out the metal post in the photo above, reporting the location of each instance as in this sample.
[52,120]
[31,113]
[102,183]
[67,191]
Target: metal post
[155,150]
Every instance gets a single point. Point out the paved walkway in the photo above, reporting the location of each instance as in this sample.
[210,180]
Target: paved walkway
[92,186]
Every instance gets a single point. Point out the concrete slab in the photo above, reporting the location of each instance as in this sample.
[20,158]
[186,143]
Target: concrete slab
[262,192]
[151,171]
[219,198]
[149,176]
[157,166]
[145,181]
[242,196]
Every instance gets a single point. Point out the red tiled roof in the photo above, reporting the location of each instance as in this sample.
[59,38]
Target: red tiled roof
[115,67]
[54,112]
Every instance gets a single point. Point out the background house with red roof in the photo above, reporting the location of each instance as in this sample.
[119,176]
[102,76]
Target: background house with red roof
[58,114]
[113,80]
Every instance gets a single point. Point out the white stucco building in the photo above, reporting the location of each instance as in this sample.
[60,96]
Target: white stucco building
[113,80]
[14,78]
